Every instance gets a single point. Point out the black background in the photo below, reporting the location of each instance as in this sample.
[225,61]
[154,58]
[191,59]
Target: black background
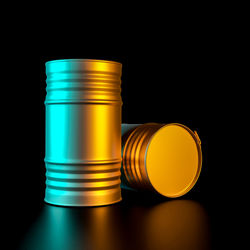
[183,78]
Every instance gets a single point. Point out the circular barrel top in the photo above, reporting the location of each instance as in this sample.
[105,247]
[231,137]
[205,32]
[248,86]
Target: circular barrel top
[173,160]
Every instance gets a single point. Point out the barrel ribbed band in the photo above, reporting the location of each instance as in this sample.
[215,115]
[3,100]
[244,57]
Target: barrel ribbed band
[66,183]
[83,81]
[134,152]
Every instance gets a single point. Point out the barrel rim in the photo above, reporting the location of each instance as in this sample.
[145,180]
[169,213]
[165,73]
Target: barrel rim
[81,60]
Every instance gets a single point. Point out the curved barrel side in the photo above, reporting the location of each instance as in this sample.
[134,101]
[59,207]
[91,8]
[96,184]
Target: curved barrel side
[83,132]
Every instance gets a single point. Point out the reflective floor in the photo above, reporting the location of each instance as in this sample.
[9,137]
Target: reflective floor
[130,224]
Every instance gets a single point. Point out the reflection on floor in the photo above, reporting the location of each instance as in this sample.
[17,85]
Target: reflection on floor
[175,224]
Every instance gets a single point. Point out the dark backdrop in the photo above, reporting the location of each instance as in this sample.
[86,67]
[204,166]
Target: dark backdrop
[180,85]
[184,80]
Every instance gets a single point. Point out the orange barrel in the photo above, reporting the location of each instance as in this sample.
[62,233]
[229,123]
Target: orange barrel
[83,132]
[165,158]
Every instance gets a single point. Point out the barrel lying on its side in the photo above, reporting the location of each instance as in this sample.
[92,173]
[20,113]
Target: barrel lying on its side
[83,132]
[165,158]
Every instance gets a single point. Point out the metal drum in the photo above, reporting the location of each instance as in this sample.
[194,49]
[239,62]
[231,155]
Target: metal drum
[83,132]
[165,158]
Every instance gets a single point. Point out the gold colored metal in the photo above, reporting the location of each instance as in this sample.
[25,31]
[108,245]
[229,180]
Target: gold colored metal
[83,132]
[163,158]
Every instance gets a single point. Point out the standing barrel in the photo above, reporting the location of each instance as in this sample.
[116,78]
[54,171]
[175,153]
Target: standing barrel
[83,132]
[164,158]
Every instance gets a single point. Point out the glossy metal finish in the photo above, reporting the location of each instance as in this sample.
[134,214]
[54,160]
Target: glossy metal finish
[165,158]
[83,132]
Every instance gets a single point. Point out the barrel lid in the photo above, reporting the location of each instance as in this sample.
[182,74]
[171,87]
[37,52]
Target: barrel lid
[173,159]
[83,65]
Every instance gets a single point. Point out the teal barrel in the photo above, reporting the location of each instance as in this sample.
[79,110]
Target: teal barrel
[83,132]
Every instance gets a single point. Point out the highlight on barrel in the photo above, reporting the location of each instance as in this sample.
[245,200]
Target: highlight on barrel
[164,158]
[83,132]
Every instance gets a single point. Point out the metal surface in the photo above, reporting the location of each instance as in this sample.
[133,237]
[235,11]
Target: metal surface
[165,158]
[83,132]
